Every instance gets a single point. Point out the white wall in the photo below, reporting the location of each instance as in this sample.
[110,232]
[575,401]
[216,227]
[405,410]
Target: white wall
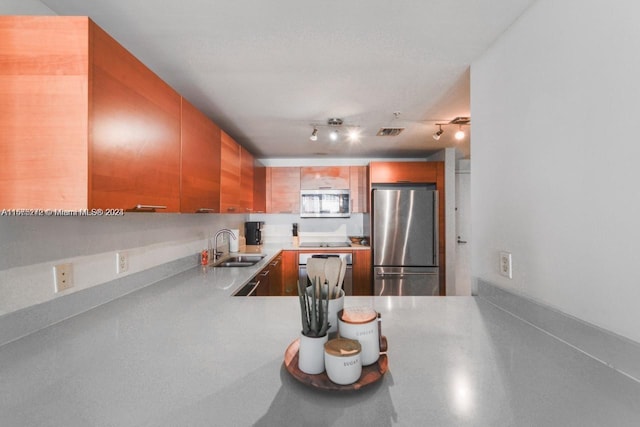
[24,7]
[31,246]
[555,159]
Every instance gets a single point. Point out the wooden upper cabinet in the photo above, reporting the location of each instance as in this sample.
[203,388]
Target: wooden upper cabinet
[83,123]
[135,131]
[400,172]
[359,189]
[283,190]
[200,176]
[321,177]
[230,168]
[246,180]
[44,128]
[259,189]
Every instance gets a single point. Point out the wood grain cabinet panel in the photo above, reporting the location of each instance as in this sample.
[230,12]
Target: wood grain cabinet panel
[44,128]
[359,185]
[283,190]
[324,177]
[290,273]
[200,173]
[135,131]
[259,189]
[84,124]
[399,172]
[362,272]
[246,180]
[230,170]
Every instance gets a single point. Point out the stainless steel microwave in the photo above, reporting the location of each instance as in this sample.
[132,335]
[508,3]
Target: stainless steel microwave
[325,204]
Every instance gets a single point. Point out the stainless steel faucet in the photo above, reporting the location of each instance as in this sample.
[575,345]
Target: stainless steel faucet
[218,254]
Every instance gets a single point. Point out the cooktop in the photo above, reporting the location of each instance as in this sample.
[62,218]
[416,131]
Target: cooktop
[324,244]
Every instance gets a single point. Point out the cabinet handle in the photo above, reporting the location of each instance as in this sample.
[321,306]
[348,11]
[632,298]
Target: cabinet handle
[231,209]
[274,264]
[264,273]
[253,290]
[204,210]
[149,207]
[328,187]
[249,209]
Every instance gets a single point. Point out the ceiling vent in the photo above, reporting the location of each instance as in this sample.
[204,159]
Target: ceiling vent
[389,131]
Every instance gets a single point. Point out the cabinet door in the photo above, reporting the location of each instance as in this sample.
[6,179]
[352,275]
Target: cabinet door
[259,189]
[135,132]
[359,189]
[362,272]
[394,172]
[290,272]
[44,100]
[276,282]
[263,289]
[283,190]
[200,177]
[324,177]
[229,175]
[246,180]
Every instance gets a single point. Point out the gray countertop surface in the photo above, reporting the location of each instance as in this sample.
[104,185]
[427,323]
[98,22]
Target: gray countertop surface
[183,352]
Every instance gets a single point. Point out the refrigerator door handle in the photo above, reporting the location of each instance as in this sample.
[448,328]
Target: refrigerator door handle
[379,273]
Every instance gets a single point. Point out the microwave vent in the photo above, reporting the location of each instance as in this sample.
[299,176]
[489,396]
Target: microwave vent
[389,131]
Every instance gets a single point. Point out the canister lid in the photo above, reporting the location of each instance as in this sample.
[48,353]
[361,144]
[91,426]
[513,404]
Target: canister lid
[358,315]
[342,347]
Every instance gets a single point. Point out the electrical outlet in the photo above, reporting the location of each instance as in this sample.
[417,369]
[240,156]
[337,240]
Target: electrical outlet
[63,276]
[122,262]
[505,264]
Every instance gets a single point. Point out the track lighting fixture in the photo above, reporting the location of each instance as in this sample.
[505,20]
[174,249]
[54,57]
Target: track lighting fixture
[459,135]
[335,127]
[437,135]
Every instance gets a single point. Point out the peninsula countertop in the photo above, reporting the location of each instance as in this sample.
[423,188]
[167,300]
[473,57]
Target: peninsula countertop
[183,352]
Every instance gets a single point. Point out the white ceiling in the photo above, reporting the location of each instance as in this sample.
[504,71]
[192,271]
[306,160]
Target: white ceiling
[266,71]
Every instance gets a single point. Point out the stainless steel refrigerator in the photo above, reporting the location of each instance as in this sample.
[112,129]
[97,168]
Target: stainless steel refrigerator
[405,241]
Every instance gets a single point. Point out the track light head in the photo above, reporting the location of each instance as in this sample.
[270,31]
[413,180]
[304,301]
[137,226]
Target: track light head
[314,134]
[439,133]
[459,134]
[334,135]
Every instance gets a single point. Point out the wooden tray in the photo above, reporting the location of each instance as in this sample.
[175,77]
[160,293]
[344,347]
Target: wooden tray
[370,374]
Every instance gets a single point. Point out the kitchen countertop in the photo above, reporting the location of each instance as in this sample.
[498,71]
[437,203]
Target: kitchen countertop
[182,352]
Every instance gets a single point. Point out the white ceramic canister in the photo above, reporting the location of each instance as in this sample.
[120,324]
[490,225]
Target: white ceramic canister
[361,323]
[342,360]
[335,305]
[311,354]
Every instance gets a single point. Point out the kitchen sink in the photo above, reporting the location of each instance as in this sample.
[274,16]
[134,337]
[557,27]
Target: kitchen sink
[239,261]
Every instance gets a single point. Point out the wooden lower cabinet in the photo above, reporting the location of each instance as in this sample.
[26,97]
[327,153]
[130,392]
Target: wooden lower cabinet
[289,273]
[276,276]
[362,283]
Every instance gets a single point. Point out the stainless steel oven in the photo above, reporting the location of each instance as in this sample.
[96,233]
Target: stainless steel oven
[348,277]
